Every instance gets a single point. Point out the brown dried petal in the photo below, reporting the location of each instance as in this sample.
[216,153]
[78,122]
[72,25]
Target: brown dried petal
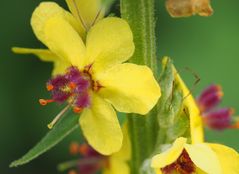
[185,8]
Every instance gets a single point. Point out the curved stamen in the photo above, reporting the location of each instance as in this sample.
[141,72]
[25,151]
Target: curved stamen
[50,125]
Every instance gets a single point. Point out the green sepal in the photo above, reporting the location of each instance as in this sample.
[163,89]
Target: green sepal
[181,120]
[172,117]
[165,113]
[64,127]
[179,128]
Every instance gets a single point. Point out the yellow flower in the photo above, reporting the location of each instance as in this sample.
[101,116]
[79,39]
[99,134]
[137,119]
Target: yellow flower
[199,158]
[119,162]
[104,79]
[196,124]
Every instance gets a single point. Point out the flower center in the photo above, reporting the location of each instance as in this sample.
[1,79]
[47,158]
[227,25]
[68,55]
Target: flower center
[73,87]
[183,165]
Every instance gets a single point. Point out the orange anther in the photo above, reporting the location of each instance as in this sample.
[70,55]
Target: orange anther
[49,87]
[72,172]
[220,94]
[74,148]
[72,85]
[44,102]
[77,109]
[235,126]
[84,149]
[232,111]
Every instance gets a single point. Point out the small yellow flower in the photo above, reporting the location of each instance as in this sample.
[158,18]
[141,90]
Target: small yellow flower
[199,158]
[102,78]
[196,124]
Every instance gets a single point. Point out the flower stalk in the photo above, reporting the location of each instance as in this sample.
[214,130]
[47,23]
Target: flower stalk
[141,18]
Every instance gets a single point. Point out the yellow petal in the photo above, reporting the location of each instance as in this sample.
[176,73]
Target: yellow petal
[47,56]
[228,157]
[158,171]
[117,166]
[87,12]
[204,158]
[199,171]
[47,10]
[64,41]
[196,125]
[101,127]
[130,88]
[43,54]
[125,152]
[60,67]
[108,43]
[169,156]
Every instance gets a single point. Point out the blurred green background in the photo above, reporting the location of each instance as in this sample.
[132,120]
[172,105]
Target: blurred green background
[209,46]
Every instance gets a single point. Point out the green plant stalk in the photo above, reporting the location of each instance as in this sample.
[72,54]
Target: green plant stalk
[143,129]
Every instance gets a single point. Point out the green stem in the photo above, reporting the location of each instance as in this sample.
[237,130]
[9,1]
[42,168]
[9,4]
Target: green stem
[143,129]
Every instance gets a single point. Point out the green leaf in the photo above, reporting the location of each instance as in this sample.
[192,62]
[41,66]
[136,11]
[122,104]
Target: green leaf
[63,128]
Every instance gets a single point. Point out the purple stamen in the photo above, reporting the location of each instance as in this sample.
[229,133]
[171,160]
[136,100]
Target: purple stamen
[210,98]
[92,161]
[73,74]
[219,119]
[83,100]
[58,81]
[60,96]
[73,86]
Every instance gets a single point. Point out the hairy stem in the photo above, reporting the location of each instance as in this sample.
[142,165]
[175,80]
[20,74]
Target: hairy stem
[143,129]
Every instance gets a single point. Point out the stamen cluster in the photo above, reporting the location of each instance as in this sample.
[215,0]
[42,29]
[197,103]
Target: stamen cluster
[183,165]
[74,86]
[213,117]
